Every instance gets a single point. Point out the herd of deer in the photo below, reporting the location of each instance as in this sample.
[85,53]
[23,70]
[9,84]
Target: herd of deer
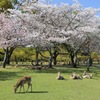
[27,79]
[75,76]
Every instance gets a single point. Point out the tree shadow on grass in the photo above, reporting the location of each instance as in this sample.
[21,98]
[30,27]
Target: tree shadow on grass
[68,69]
[38,92]
[32,92]
[62,69]
[4,75]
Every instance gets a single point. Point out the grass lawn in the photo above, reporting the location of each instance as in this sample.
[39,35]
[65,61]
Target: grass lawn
[46,87]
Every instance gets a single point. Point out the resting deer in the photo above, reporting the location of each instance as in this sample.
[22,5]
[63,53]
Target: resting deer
[75,76]
[20,83]
[59,77]
[87,75]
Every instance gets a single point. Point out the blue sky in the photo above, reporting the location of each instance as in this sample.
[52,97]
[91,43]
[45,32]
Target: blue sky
[84,3]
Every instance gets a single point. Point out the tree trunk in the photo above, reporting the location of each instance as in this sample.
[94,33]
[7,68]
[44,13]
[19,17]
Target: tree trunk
[8,59]
[55,54]
[5,58]
[89,63]
[88,68]
[50,62]
[50,59]
[7,55]
[16,61]
[55,61]
[73,59]
[10,51]
[37,54]
[74,65]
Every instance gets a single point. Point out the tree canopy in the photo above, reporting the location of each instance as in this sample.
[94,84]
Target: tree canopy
[73,26]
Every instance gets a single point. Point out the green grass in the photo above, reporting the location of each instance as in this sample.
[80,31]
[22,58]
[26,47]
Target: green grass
[46,87]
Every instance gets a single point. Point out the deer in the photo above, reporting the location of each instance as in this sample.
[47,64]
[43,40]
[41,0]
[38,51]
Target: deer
[21,81]
[87,75]
[59,76]
[75,76]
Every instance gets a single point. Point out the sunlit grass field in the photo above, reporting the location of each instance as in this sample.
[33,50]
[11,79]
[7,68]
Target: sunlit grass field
[46,87]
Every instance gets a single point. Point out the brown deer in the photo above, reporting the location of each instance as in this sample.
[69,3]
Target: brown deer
[20,83]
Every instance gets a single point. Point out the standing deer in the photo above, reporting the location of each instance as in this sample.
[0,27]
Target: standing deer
[20,83]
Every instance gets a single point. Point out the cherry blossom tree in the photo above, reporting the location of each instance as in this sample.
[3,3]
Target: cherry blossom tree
[36,28]
[76,36]
[12,35]
[74,24]
[67,25]
[13,32]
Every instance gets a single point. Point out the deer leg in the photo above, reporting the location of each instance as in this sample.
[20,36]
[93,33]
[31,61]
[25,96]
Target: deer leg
[31,87]
[23,89]
[28,87]
[20,88]
[29,84]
